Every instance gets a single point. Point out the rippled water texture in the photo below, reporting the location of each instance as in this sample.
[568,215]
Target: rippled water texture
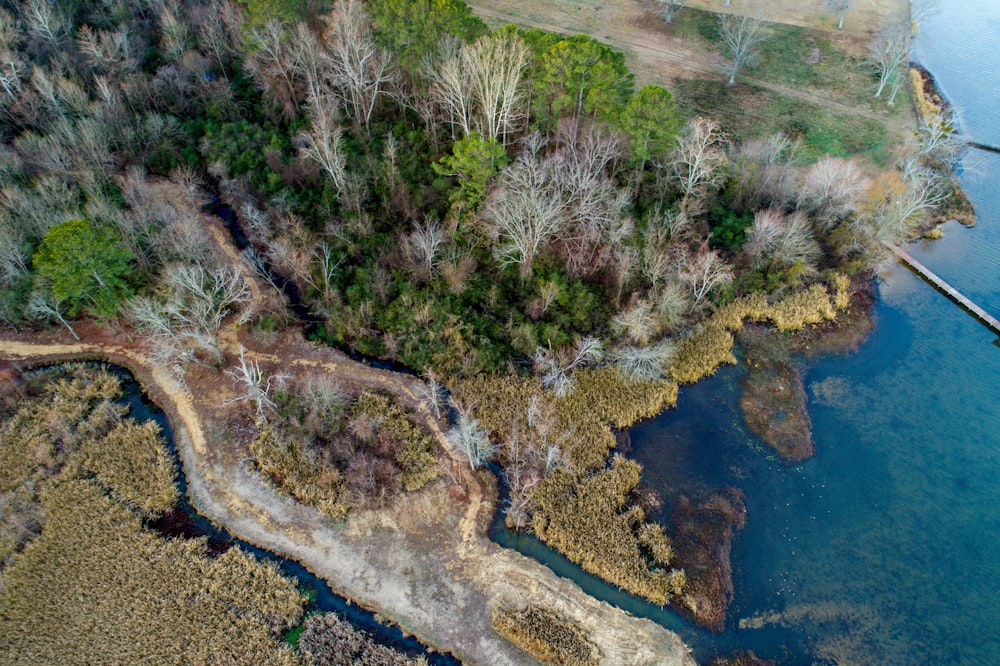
[885,548]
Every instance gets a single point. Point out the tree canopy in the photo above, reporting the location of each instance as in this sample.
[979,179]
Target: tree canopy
[651,122]
[86,266]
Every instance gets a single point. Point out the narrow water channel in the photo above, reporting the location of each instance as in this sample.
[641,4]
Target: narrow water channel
[322,597]
[882,548]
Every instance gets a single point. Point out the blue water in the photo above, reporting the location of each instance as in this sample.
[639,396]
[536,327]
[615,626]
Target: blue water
[885,547]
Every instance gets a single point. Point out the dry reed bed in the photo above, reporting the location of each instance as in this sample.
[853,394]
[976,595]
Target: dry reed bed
[546,637]
[96,586]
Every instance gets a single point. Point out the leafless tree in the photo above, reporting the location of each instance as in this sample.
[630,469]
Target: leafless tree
[921,191]
[42,305]
[783,241]
[497,62]
[839,8]
[468,437]
[523,212]
[451,84]
[423,245]
[888,55]
[703,272]
[940,142]
[645,363]
[13,255]
[698,159]
[363,71]
[831,188]
[271,63]
[638,322]
[219,28]
[322,145]
[556,366]
[45,24]
[670,8]
[741,34]
[254,386]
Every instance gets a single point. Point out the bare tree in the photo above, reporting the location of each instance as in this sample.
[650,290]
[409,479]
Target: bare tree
[255,386]
[423,244]
[470,438]
[523,213]
[888,55]
[741,35]
[638,322]
[703,272]
[497,62]
[322,145]
[363,71]
[831,188]
[645,363]
[43,305]
[451,84]
[782,241]
[556,366]
[940,142]
[839,8]
[670,8]
[698,159]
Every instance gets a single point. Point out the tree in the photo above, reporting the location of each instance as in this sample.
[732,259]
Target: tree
[741,35]
[698,159]
[254,386]
[839,7]
[474,161]
[322,145]
[670,8]
[888,54]
[555,365]
[413,29]
[363,71]
[497,63]
[651,122]
[578,76]
[85,266]
[470,438]
[704,272]
[523,213]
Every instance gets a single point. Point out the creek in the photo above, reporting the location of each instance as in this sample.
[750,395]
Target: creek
[882,548]
[185,521]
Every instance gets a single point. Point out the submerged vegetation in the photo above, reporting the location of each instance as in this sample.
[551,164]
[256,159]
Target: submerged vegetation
[499,209]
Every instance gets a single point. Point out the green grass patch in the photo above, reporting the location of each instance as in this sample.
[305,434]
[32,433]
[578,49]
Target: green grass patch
[746,113]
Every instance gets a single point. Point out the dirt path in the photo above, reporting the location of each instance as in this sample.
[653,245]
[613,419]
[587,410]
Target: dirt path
[426,565]
[655,56]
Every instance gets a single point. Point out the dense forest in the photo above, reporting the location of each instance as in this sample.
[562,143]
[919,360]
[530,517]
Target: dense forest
[501,211]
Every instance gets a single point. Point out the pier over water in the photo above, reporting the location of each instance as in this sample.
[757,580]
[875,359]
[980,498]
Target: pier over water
[952,293]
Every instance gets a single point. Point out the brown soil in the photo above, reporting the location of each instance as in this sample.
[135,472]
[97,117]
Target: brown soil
[658,56]
[424,562]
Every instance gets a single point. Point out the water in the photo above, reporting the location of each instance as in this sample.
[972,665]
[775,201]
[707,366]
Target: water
[882,549]
[322,597]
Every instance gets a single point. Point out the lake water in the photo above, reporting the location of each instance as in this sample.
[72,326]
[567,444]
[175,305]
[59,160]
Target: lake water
[884,548]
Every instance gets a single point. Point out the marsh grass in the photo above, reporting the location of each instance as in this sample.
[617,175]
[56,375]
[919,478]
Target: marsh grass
[545,636]
[583,507]
[362,451]
[95,585]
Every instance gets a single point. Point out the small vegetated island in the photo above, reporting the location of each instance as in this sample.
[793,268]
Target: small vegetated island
[549,247]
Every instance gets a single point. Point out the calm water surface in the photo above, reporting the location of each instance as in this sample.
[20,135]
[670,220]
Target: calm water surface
[884,548]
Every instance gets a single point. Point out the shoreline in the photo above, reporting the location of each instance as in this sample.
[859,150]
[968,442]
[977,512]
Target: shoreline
[468,576]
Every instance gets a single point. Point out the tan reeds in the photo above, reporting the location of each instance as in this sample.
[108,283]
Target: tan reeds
[545,636]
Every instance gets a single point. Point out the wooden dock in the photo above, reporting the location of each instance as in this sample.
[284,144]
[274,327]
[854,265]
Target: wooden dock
[952,293]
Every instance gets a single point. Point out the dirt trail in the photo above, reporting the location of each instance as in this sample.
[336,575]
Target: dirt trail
[424,563]
[655,56]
